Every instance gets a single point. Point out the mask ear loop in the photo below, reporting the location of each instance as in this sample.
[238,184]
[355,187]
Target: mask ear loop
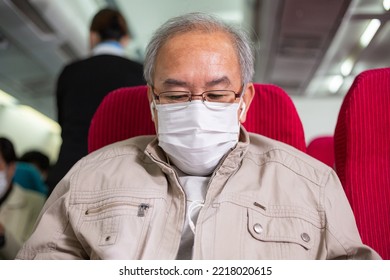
[243,108]
[152,104]
[152,107]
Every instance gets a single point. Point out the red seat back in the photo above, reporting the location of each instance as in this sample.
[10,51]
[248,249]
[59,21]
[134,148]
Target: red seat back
[362,155]
[322,148]
[122,114]
[273,114]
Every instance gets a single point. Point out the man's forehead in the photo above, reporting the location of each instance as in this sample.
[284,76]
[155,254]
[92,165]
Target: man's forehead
[192,44]
[197,57]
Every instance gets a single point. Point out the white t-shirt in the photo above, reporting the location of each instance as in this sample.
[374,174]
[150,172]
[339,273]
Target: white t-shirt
[195,188]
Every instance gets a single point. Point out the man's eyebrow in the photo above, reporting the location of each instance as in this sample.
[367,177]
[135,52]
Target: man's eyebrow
[173,82]
[215,82]
[223,80]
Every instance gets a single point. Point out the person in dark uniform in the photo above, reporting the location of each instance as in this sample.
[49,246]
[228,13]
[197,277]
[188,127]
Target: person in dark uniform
[83,84]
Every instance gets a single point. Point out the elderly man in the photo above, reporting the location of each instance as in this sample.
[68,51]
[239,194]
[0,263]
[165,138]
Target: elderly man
[204,188]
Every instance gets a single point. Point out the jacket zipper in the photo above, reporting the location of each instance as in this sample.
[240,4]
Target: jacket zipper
[142,208]
[170,168]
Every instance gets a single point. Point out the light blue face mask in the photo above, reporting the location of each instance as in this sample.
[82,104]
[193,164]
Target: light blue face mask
[196,137]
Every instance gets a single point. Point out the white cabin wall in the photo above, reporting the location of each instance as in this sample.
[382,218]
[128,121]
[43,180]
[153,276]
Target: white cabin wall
[318,115]
[28,129]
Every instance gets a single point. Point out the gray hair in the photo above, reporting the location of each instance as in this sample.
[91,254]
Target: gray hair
[203,22]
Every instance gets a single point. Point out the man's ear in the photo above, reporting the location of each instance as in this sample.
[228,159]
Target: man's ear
[152,107]
[150,93]
[247,100]
[151,103]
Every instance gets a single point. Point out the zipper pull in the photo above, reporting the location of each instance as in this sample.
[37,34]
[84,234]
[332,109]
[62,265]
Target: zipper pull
[141,209]
[259,205]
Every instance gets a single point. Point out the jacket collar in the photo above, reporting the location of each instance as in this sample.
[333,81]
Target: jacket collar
[110,48]
[233,159]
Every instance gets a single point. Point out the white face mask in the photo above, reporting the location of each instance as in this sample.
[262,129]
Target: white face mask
[195,138]
[3,183]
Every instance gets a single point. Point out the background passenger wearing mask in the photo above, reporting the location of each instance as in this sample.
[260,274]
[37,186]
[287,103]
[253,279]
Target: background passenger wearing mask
[19,207]
[83,84]
[204,188]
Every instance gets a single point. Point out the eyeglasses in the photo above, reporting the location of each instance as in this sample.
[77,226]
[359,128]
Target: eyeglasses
[220,97]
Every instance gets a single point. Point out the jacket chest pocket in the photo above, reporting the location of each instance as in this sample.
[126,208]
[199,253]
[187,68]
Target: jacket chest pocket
[281,236]
[115,230]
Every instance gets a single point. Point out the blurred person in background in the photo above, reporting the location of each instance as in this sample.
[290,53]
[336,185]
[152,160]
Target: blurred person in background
[31,171]
[19,207]
[83,84]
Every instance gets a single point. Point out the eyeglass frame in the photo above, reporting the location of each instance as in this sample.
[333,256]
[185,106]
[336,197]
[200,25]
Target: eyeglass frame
[190,95]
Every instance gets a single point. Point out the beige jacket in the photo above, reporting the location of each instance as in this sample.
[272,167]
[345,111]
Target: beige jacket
[266,200]
[18,214]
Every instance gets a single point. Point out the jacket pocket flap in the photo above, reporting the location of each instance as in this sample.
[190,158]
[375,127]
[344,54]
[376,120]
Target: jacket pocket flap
[280,229]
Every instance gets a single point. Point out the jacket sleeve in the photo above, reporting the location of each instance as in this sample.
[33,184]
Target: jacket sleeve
[342,236]
[53,236]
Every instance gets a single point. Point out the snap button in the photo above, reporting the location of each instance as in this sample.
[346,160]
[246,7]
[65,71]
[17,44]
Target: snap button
[108,238]
[258,228]
[305,237]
